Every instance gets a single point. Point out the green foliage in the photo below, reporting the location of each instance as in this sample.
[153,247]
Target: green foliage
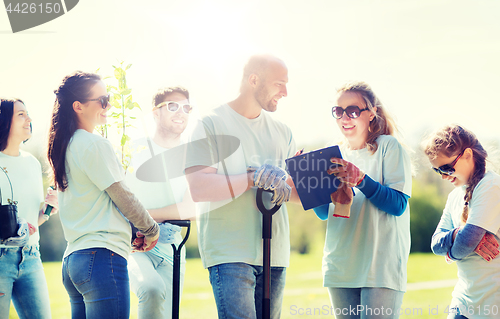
[307,232]
[52,241]
[191,245]
[426,207]
[121,99]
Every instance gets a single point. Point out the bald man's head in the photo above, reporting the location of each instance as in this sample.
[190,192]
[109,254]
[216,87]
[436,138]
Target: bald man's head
[259,64]
[264,81]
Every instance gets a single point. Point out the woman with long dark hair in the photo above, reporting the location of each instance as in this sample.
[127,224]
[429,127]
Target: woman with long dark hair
[22,279]
[94,202]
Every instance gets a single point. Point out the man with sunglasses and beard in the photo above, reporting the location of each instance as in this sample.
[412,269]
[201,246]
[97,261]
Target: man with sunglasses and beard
[151,273]
[240,135]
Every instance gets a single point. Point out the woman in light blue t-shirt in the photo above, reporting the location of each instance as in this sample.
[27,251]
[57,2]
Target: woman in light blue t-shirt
[21,272]
[89,179]
[469,229]
[368,235]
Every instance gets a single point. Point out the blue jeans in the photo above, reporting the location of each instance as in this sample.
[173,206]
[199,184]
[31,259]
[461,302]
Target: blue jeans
[455,312]
[455,316]
[364,303]
[22,279]
[96,280]
[238,288]
[151,281]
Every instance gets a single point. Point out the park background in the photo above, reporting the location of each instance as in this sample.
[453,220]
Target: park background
[431,62]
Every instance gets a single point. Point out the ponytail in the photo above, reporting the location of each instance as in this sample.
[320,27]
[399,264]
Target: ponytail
[64,121]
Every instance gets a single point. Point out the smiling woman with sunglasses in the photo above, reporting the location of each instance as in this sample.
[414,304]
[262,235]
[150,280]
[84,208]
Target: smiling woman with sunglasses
[448,169]
[104,100]
[89,178]
[366,252]
[469,229]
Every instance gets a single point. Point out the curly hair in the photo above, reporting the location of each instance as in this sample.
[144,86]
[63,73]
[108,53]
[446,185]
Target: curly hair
[450,141]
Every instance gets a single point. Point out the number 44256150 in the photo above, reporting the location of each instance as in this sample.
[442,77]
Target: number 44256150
[34,8]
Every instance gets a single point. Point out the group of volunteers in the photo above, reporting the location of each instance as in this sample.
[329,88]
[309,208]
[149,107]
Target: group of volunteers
[231,152]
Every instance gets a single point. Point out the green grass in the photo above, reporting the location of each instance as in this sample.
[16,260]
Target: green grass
[303,289]
[429,267]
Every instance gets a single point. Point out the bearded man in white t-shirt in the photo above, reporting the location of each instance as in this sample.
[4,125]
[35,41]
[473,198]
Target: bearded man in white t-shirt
[241,134]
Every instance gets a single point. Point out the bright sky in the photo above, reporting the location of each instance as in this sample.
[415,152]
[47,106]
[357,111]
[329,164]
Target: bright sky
[431,62]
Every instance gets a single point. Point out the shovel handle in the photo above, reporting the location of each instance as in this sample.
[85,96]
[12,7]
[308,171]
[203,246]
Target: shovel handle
[260,203]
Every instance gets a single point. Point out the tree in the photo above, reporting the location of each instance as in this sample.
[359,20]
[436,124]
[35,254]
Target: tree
[121,98]
[429,194]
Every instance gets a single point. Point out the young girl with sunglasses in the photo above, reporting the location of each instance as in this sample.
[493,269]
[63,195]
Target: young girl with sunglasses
[368,235]
[469,229]
[21,272]
[89,179]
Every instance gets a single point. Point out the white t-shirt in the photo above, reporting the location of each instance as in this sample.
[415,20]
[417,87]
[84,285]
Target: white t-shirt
[88,215]
[478,281]
[371,248]
[156,194]
[25,173]
[230,231]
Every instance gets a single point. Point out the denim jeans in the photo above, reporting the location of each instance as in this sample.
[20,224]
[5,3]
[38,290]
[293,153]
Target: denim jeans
[457,315]
[22,279]
[365,303]
[96,280]
[238,289]
[151,281]
[455,312]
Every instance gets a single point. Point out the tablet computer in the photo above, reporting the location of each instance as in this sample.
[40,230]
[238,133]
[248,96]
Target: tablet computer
[308,171]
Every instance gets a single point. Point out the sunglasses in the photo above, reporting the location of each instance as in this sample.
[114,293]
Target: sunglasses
[448,169]
[103,99]
[352,111]
[173,106]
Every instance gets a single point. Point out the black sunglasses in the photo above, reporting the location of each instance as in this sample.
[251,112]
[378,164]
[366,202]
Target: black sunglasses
[173,106]
[352,111]
[448,169]
[103,99]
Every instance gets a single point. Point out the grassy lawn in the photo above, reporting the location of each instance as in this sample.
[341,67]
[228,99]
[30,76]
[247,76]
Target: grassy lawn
[303,292]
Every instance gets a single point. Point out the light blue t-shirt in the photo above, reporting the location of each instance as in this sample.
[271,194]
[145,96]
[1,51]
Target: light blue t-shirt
[25,174]
[478,280]
[88,215]
[156,194]
[371,248]
[230,231]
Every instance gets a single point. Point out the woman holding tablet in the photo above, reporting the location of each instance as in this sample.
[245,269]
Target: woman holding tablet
[368,235]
